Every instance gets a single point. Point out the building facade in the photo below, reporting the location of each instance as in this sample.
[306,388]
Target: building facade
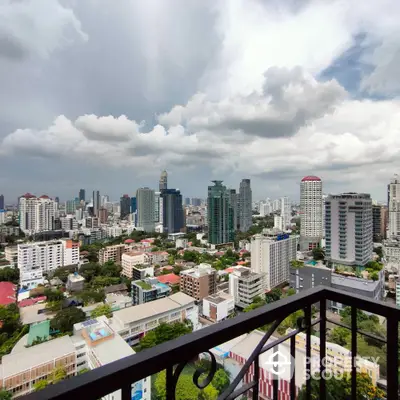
[82,195]
[245,285]
[39,258]
[125,206]
[379,222]
[148,289]
[218,307]
[96,203]
[394,207]
[112,253]
[172,214]
[36,214]
[311,212]
[163,184]
[219,215]
[245,205]
[199,282]
[348,224]
[145,209]
[271,254]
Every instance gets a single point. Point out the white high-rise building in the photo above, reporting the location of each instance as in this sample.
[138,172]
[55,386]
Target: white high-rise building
[39,258]
[145,201]
[348,224]
[394,207]
[245,205]
[311,212]
[271,254]
[36,214]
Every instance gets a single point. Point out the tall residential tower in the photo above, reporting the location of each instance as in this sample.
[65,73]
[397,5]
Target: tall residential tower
[311,212]
[394,207]
[219,215]
[163,185]
[145,209]
[245,205]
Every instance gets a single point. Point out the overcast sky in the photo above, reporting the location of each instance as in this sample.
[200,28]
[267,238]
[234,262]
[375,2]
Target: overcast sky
[105,94]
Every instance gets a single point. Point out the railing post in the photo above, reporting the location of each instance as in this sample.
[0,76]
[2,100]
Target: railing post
[170,383]
[293,359]
[307,317]
[392,358]
[275,382]
[353,352]
[322,348]
[256,377]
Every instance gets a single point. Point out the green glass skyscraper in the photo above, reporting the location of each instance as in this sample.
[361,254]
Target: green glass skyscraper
[220,215]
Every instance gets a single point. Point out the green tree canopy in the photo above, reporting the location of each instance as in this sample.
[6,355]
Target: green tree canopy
[318,253]
[9,274]
[104,309]
[5,395]
[9,316]
[65,319]
[53,295]
[39,385]
[91,296]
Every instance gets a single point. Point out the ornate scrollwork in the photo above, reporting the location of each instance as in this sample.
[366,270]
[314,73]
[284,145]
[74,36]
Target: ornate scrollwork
[201,384]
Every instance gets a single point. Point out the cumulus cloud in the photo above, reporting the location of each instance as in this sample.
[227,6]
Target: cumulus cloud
[36,27]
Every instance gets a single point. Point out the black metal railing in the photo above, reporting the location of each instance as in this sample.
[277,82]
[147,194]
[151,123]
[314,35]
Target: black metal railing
[174,355]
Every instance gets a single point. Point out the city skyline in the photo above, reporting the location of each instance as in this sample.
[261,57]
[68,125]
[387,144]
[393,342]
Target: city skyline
[69,111]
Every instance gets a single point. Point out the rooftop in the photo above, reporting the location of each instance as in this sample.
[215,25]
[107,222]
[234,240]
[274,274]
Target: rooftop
[39,354]
[169,279]
[143,284]
[354,282]
[7,293]
[152,308]
[311,178]
[121,287]
[75,278]
[219,298]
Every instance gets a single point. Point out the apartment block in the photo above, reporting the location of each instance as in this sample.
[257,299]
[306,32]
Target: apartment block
[112,253]
[245,285]
[132,259]
[349,229]
[11,254]
[380,217]
[271,254]
[146,290]
[133,323]
[199,282]
[36,259]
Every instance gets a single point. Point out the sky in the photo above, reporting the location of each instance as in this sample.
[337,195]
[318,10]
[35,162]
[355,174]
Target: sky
[104,95]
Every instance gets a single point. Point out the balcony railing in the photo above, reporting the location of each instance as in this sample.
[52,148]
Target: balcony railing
[173,356]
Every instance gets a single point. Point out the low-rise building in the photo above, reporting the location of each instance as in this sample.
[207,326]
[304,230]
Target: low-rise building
[11,255]
[218,307]
[169,279]
[133,323]
[245,285]
[199,282]
[120,288]
[75,282]
[118,301]
[112,253]
[146,290]
[132,259]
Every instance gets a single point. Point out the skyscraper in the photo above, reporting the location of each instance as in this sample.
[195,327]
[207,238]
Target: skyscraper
[157,207]
[245,205]
[82,195]
[125,204]
[311,212]
[394,207]
[1,202]
[348,223]
[173,220]
[233,200]
[96,202]
[219,215]
[145,209]
[163,181]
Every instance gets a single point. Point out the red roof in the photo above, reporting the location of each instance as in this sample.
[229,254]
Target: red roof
[311,178]
[229,270]
[28,196]
[169,279]
[31,302]
[129,241]
[168,268]
[44,196]
[7,293]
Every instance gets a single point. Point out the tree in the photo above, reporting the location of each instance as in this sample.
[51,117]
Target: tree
[318,253]
[209,393]
[111,269]
[341,389]
[100,310]
[273,295]
[103,281]
[65,319]
[190,256]
[8,274]
[39,385]
[58,375]
[89,271]
[91,296]
[5,395]
[340,336]
[221,380]
[9,316]
[54,305]
[53,295]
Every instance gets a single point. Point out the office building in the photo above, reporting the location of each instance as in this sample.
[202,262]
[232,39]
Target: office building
[199,282]
[311,212]
[96,202]
[70,206]
[172,213]
[125,203]
[394,207]
[103,215]
[163,185]
[148,289]
[145,209]
[2,202]
[36,214]
[82,195]
[379,222]
[218,307]
[234,202]
[112,253]
[39,258]
[245,285]
[271,254]
[348,224]
[219,215]
[187,201]
[245,205]
[133,205]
